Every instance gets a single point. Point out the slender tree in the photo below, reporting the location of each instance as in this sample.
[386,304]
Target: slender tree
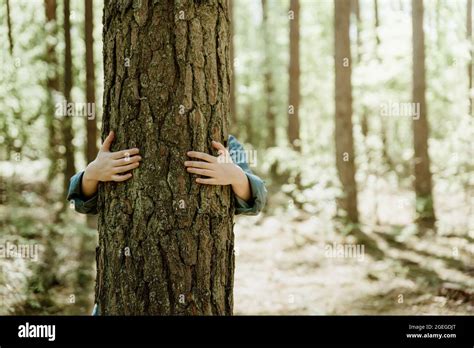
[52,87]
[343,104]
[91,125]
[268,77]
[165,242]
[377,26]
[294,77]
[9,25]
[425,209]
[66,122]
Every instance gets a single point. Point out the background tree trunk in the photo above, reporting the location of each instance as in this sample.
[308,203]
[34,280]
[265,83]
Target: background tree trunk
[66,121]
[268,77]
[52,86]
[343,92]
[294,80]
[91,124]
[166,243]
[424,198]
[9,26]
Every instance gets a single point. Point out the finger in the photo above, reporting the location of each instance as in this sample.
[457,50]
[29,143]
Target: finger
[127,160]
[218,146]
[203,156]
[205,181]
[201,171]
[198,164]
[119,178]
[108,142]
[125,153]
[126,168]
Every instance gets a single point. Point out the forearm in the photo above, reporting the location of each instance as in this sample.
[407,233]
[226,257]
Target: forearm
[88,185]
[241,185]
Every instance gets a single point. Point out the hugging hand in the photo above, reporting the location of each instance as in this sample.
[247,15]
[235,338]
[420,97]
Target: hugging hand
[218,170]
[109,166]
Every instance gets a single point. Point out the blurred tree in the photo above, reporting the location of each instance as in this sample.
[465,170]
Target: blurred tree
[67,131]
[343,104]
[377,26]
[91,125]
[268,77]
[469,39]
[294,77]
[424,198]
[9,25]
[166,243]
[52,88]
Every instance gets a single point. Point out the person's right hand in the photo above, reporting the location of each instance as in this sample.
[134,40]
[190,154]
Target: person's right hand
[109,166]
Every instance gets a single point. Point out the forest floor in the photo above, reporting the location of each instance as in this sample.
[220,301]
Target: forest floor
[282,267]
[282,263]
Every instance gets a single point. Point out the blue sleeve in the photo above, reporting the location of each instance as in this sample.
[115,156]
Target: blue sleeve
[259,191]
[81,204]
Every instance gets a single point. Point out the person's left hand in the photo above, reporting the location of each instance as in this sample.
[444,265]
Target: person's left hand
[219,170]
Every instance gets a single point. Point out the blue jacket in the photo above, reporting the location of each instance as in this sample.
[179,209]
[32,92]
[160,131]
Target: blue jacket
[236,150]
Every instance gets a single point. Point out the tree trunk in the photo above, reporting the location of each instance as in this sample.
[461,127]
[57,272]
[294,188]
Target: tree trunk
[52,86]
[469,39]
[66,122]
[91,124]
[268,78]
[166,243]
[233,96]
[9,26]
[294,77]
[424,198]
[343,92]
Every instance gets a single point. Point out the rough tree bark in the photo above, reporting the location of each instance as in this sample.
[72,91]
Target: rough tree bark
[343,91]
[268,78]
[165,242]
[423,184]
[66,122]
[294,77]
[233,96]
